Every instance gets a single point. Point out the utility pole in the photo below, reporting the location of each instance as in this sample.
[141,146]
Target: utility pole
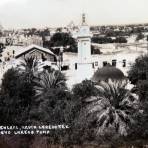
[60,55]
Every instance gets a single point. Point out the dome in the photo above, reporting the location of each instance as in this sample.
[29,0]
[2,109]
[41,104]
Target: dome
[108,72]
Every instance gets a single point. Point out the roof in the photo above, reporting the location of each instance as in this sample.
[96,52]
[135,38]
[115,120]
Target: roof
[108,72]
[29,48]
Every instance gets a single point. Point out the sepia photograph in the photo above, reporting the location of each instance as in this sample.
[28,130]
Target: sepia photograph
[73,74]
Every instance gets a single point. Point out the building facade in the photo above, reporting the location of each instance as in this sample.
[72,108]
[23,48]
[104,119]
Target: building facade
[38,52]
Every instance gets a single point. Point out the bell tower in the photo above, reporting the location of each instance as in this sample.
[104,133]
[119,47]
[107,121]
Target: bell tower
[84,41]
[83,65]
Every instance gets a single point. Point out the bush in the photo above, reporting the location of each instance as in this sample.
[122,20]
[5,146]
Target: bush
[102,40]
[120,40]
[15,99]
[140,36]
[139,69]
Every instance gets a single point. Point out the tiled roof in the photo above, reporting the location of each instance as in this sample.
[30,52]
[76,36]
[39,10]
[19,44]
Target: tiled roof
[23,50]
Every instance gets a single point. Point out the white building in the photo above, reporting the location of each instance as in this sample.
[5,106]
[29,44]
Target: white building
[84,42]
[84,61]
[82,66]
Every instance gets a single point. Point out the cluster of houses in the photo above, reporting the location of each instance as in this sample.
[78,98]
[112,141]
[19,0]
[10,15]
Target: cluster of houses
[21,40]
[79,66]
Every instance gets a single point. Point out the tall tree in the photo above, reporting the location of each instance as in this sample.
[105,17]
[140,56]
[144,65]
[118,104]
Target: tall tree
[64,39]
[47,87]
[138,75]
[80,131]
[113,108]
[50,80]
[139,70]
[29,68]
[15,98]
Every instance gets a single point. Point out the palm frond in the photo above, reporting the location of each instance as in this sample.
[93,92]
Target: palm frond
[113,106]
[49,80]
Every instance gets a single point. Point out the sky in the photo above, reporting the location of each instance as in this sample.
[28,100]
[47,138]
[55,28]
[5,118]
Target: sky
[58,13]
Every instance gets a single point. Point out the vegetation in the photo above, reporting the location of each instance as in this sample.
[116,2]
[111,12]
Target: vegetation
[1,47]
[138,77]
[63,39]
[140,36]
[24,87]
[139,69]
[105,40]
[113,108]
[102,113]
[95,50]
[29,68]
[15,99]
[49,80]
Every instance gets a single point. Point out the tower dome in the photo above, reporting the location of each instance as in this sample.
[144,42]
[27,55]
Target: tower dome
[108,72]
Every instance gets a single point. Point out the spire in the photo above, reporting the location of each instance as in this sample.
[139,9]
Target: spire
[83,19]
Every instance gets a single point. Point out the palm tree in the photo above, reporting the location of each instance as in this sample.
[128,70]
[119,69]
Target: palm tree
[29,67]
[112,108]
[50,80]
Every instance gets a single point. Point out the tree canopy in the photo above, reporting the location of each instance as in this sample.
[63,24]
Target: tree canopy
[63,39]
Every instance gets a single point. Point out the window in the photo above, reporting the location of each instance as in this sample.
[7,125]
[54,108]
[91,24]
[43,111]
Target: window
[114,63]
[75,66]
[124,63]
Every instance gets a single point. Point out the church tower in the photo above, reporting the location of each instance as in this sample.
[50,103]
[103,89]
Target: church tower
[84,42]
[83,66]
